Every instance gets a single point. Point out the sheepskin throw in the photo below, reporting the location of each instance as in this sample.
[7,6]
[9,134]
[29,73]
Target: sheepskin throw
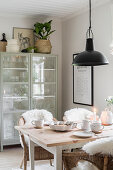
[103,146]
[84,165]
[77,114]
[37,115]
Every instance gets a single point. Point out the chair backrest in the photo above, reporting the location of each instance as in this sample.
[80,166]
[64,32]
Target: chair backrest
[77,114]
[35,114]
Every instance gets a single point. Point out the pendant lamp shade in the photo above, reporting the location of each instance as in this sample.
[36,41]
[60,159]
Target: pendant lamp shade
[89,57]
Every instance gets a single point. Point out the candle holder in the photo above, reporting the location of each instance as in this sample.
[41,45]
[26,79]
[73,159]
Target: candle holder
[106,117]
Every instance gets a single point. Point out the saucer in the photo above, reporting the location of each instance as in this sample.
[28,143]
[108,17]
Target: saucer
[96,132]
[38,127]
[83,134]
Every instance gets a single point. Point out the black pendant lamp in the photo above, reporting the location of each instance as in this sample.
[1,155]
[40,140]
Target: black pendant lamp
[89,57]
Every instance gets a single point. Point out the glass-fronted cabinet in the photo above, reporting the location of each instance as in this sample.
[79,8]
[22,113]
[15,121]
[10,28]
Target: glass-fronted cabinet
[28,81]
[44,82]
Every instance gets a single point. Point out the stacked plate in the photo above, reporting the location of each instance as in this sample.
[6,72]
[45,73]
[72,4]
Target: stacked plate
[12,46]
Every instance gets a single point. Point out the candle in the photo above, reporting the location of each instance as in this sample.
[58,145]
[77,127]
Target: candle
[4,91]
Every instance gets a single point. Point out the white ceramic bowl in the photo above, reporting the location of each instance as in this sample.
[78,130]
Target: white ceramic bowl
[61,127]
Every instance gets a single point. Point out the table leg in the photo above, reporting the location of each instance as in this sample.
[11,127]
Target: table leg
[31,154]
[58,158]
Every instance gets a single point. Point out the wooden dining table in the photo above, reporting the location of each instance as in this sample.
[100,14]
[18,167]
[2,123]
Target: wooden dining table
[56,142]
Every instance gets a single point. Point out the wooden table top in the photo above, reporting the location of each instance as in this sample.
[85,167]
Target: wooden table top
[49,138]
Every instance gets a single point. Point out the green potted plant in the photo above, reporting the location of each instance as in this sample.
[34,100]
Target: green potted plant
[42,31]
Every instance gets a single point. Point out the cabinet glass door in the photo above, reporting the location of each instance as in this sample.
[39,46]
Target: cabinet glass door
[15,91]
[44,82]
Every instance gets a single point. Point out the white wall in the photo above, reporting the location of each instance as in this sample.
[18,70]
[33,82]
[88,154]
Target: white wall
[8,22]
[74,31]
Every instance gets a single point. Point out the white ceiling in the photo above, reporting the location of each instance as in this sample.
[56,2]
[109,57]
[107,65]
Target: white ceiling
[34,8]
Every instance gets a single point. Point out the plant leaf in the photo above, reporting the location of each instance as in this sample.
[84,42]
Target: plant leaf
[43,30]
[37,30]
[51,32]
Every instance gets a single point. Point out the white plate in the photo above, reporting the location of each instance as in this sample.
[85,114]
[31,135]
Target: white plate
[83,134]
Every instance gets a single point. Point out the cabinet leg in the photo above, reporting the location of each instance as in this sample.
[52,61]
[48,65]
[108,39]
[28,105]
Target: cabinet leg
[1,148]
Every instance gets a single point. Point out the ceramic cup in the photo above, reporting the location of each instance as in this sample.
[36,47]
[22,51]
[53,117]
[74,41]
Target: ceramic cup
[38,123]
[96,127]
[85,125]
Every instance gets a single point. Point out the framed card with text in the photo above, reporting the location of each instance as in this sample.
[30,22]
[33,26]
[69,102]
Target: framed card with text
[82,84]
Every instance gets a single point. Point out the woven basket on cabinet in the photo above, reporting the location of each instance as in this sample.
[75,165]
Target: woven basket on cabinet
[43,46]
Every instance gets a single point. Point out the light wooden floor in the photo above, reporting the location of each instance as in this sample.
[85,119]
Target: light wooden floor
[10,159]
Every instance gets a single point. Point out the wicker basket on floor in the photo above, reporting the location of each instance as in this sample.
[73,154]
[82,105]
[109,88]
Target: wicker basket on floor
[102,162]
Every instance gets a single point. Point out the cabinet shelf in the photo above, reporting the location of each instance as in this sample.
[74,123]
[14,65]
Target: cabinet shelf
[43,96]
[14,141]
[9,68]
[44,82]
[15,83]
[14,111]
[15,97]
[47,69]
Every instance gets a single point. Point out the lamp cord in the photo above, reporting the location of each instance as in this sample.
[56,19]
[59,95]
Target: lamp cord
[89,14]
[89,17]
[89,31]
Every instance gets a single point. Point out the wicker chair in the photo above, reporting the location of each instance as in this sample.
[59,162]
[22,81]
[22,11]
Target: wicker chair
[102,162]
[40,153]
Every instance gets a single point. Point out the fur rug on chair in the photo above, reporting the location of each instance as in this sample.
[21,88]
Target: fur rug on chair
[77,114]
[104,146]
[37,115]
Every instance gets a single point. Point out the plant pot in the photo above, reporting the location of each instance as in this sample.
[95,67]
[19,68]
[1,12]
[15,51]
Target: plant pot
[43,46]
